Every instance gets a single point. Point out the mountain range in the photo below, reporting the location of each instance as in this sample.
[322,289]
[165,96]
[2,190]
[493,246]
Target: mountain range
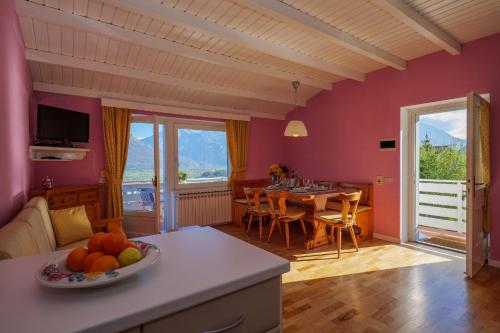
[438,137]
[197,150]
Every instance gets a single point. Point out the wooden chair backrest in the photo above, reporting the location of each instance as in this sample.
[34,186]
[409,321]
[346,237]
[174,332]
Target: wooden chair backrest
[366,190]
[277,200]
[252,194]
[348,200]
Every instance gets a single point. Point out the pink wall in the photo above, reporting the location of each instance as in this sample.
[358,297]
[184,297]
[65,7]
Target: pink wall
[85,171]
[265,146]
[344,124]
[15,91]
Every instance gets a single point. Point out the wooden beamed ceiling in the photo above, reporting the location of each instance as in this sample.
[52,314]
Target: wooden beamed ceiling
[235,56]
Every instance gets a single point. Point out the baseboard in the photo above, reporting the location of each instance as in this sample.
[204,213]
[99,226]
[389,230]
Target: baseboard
[387,238]
[494,263]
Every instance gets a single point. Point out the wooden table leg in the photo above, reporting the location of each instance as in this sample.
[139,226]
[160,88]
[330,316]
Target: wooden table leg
[320,236]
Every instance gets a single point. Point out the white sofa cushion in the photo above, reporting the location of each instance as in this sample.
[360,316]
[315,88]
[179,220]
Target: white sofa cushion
[17,240]
[40,204]
[33,218]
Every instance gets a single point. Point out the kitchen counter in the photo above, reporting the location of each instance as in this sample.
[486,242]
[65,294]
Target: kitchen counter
[196,265]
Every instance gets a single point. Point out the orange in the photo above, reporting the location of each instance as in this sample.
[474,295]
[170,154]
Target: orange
[94,243]
[132,244]
[114,243]
[76,258]
[104,264]
[114,226]
[91,258]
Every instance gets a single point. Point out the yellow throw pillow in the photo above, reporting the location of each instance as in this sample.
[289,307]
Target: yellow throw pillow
[70,225]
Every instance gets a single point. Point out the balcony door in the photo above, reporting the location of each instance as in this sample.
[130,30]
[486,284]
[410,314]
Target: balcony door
[477,182]
[144,180]
[445,176]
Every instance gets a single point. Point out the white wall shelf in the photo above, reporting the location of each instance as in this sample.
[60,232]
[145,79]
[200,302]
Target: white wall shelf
[57,154]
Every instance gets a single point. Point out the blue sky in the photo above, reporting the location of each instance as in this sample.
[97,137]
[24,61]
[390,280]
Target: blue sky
[141,131]
[454,122]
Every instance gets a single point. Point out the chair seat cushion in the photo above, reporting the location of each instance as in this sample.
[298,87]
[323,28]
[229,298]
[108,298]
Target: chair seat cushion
[264,209]
[330,216]
[336,205]
[292,212]
[243,201]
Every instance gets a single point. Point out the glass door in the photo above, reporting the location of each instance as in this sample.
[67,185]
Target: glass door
[144,180]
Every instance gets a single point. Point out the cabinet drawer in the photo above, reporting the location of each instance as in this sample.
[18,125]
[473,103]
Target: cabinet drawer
[63,200]
[88,196]
[253,309]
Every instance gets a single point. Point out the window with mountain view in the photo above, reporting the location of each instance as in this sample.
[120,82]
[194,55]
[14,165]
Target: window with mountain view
[202,155]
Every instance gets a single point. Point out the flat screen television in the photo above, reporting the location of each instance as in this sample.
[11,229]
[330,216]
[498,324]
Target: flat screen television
[60,124]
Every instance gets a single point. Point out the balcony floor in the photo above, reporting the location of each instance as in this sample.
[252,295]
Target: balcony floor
[445,238]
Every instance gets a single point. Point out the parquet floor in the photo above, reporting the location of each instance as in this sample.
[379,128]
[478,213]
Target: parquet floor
[383,288]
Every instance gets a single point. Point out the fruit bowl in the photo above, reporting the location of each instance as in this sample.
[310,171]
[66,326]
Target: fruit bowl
[55,274]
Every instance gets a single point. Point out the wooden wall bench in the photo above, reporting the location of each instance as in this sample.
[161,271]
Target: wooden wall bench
[239,203]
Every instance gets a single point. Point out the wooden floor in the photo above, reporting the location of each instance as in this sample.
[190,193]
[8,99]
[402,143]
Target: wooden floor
[383,288]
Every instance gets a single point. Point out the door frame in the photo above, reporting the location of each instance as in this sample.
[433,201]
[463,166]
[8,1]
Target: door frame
[409,163]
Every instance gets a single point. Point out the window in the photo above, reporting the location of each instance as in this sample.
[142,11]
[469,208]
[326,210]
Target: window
[201,154]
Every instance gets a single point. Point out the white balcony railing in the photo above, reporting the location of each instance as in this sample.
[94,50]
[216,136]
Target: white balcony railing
[442,204]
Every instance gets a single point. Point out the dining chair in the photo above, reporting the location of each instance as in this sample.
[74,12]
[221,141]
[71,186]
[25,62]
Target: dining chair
[255,207]
[283,214]
[343,220]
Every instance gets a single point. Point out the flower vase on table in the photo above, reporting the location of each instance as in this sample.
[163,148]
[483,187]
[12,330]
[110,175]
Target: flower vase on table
[277,173]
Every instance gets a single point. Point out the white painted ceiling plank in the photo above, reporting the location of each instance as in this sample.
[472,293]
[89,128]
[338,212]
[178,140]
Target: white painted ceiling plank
[420,24]
[111,31]
[327,31]
[85,64]
[162,12]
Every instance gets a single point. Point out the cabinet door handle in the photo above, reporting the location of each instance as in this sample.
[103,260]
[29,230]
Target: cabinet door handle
[228,327]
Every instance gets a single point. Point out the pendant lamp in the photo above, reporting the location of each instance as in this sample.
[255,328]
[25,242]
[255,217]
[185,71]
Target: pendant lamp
[295,128]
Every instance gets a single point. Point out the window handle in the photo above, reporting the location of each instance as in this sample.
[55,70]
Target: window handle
[230,326]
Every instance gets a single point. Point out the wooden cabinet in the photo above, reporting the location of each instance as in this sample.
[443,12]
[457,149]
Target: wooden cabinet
[253,309]
[71,196]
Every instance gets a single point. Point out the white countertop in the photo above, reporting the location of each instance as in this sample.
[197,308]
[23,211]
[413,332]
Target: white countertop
[196,265]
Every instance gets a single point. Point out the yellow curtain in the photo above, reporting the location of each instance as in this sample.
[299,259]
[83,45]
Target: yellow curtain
[116,125]
[483,169]
[237,142]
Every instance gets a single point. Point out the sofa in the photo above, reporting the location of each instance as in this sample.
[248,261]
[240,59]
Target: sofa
[31,232]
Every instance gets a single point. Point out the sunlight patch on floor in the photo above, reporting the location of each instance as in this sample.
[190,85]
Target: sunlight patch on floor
[318,265]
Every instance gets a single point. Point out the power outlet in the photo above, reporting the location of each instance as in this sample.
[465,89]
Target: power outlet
[388,180]
[379,180]
[102,177]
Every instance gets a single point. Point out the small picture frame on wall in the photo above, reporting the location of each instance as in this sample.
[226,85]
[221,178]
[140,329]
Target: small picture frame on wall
[387,144]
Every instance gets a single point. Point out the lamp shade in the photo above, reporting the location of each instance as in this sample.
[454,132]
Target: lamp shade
[295,128]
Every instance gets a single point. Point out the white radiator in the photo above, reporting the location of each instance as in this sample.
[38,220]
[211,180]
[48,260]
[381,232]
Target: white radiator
[201,207]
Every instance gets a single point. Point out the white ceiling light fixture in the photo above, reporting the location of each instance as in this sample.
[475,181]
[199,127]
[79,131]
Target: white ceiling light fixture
[296,128]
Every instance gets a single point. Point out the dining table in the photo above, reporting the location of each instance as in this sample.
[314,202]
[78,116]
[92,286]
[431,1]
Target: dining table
[317,197]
